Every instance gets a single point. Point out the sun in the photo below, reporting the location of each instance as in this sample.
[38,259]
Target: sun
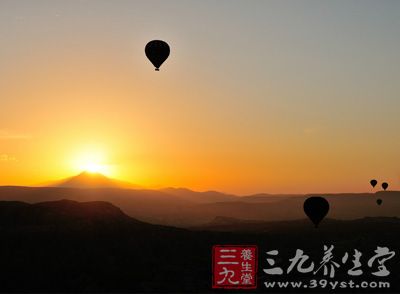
[92,161]
[93,167]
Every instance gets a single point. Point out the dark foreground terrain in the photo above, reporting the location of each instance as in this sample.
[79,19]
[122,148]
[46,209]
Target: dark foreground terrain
[67,246]
[185,208]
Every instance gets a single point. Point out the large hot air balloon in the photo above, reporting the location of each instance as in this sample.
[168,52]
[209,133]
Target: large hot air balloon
[316,208]
[157,52]
[379,201]
[373,183]
[385,186]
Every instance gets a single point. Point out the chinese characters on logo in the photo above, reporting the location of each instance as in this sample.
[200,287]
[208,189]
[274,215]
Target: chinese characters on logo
[328,265]
[234,267]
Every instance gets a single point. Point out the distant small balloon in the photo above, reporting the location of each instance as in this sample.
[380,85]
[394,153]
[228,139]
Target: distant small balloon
[373,183]
[316,208]
[385,186]
[379,201]
[157,52]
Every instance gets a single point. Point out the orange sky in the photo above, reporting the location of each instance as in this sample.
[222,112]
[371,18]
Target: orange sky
[244,104]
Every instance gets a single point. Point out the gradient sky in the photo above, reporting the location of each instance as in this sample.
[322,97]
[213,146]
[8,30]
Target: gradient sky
[257,96]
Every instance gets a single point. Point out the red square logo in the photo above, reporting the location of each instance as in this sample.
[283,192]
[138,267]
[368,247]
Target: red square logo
[235,266]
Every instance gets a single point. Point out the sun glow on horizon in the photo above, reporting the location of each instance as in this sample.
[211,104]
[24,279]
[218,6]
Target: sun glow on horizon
[94,168]
[92,161]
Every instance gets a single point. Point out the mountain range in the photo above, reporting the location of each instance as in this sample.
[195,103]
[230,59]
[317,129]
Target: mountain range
[182,207]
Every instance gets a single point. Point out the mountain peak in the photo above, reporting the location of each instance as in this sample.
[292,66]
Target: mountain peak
[92,180]
[86,174]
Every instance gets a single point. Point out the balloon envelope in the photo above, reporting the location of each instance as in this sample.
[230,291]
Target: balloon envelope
[385,186]
[373,183]
[157,52]
[379,201]
[316,208]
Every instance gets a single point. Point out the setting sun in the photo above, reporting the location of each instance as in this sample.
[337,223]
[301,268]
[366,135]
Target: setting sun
[95,168]
[92,161]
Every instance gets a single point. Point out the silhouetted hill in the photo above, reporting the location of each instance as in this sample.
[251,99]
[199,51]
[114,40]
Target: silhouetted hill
[147,205]
[19,213]
[342,206]
[222,224]
[222,220]
[66,246]
[185,208]
[200,197]
[264,197]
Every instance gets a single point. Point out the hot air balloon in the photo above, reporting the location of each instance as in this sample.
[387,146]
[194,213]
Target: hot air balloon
[385,186]
[379,201]
[316,208]
[373,183]
[157,52]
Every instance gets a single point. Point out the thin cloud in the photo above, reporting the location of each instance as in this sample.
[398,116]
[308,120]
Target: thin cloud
[9,135]
[8,158]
